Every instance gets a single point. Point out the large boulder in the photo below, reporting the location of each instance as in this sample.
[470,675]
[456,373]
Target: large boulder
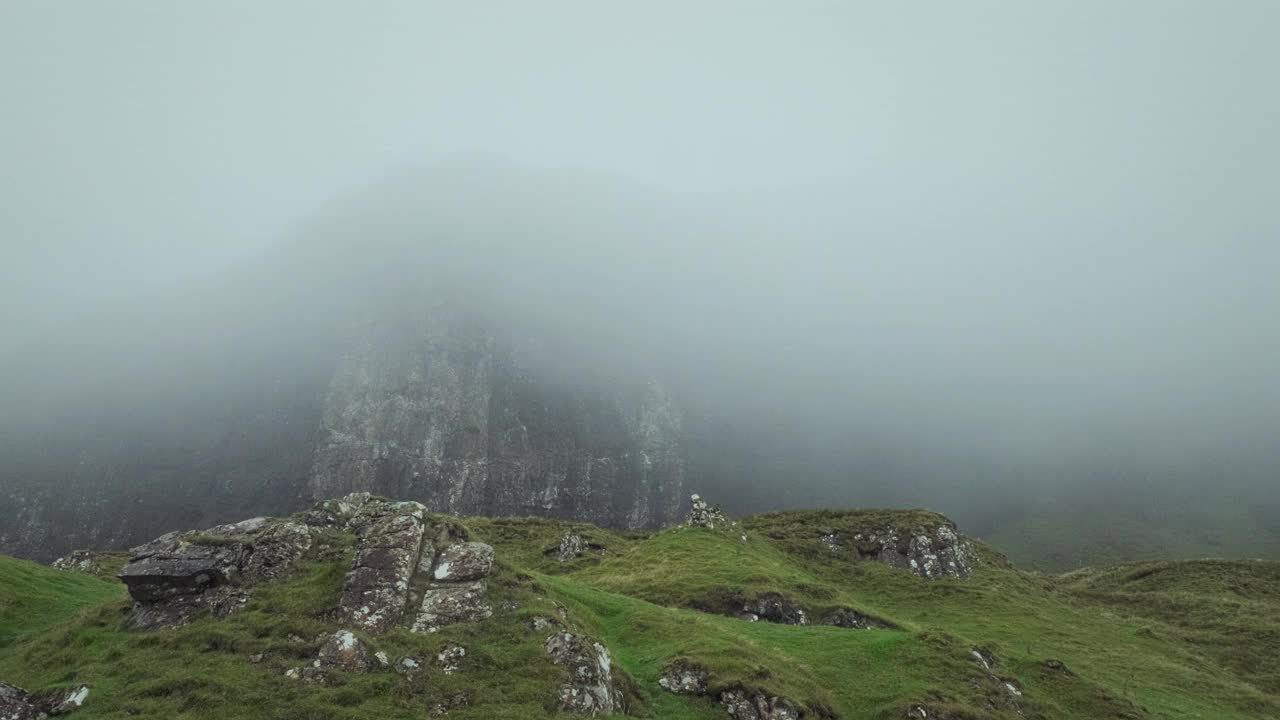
[457,591]
[391,541]
[447,604]
[463,562]
[179,575]
[591,688]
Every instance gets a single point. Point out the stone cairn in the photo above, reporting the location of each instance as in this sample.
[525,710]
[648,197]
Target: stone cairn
[703,515]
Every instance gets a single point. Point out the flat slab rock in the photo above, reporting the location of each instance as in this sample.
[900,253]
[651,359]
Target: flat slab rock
[178,575]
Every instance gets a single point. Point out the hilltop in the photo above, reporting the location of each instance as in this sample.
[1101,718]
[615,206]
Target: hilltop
[368,608]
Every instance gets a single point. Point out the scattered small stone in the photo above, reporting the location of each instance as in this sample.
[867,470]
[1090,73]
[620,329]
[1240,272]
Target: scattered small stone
[450,658]
[256,658]
[453,702]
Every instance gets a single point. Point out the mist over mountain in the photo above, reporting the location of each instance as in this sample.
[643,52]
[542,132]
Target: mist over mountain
[1013,264]
[493,338]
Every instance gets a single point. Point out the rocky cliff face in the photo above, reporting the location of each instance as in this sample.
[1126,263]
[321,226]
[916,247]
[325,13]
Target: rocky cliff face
[430,403]
[440,410]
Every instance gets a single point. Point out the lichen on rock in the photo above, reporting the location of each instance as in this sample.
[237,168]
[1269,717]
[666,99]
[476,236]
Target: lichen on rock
[591,688]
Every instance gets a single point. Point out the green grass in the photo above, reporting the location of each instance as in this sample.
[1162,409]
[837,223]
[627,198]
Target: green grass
[33,597]
[1183,641]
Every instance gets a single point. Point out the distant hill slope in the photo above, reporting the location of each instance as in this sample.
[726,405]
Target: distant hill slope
[1058,539]
[871,614]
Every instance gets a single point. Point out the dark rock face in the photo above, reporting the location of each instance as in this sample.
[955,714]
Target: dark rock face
[18,704]
[747,705]
[179,575]
[591,689]
[775,608]
[436,405]
[441,410]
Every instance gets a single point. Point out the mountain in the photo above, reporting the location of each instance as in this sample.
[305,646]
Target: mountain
[364,607]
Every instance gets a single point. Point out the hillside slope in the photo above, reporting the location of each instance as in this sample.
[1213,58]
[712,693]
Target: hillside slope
[824,614]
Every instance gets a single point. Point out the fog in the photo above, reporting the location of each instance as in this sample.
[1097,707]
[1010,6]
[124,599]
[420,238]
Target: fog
[998,259]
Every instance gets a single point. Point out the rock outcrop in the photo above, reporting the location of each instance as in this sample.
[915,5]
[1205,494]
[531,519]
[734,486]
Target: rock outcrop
[774,607]
[443,408]
[683,678]
[591,689]
[458,591]
[930,552]
[178,575]
[18,704]
[753,705]
[389,547]
[432,403]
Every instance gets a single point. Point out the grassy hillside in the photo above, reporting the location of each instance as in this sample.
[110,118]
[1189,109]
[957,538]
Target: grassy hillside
[34,597]
[1155,640]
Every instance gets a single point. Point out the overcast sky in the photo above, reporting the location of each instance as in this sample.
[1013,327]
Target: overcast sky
[1037,179]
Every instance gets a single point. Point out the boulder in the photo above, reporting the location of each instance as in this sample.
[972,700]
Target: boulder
[457,592]
[344,651]
[683,678]
[752,705]
[390,542]
[462,562]
[446,604]
[590,689]
[178,575]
